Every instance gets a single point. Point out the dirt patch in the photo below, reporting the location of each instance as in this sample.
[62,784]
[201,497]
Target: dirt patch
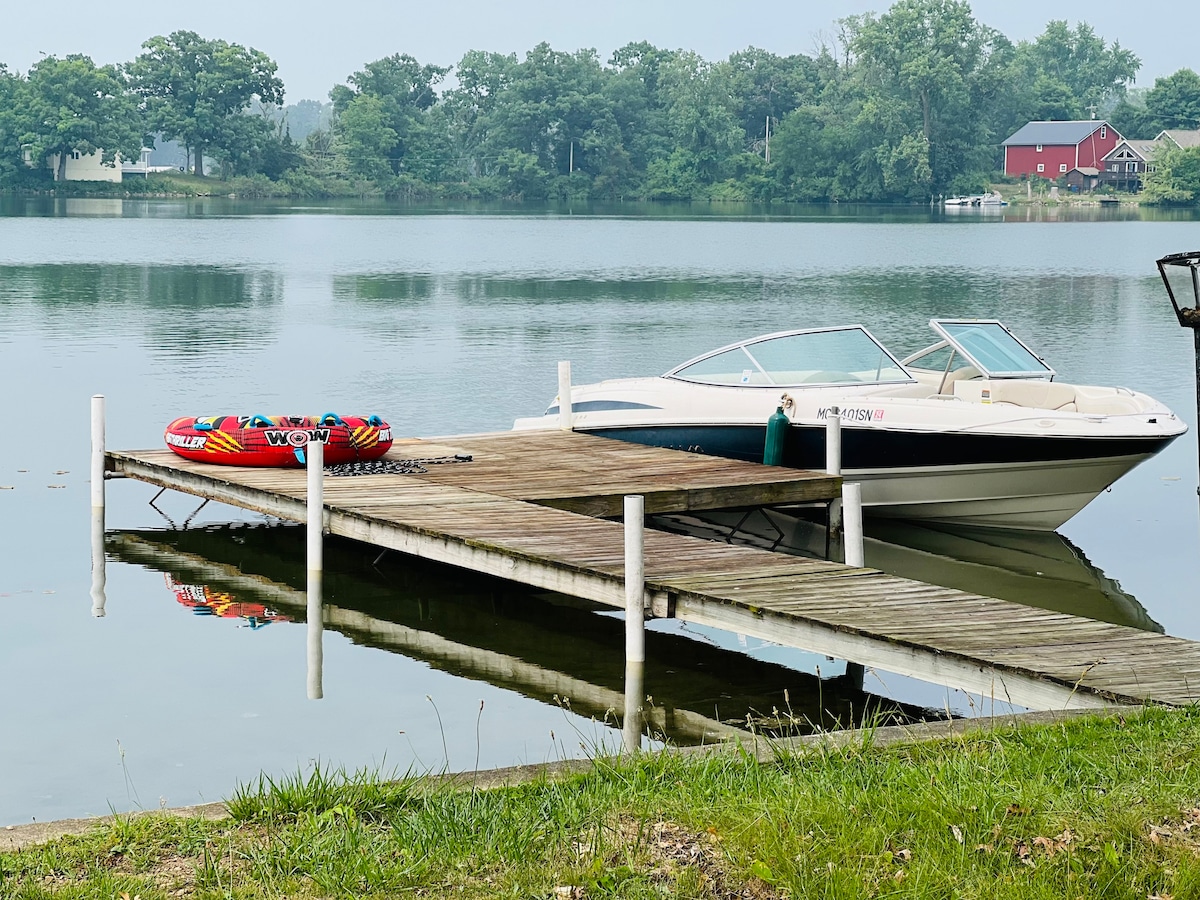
[667,854]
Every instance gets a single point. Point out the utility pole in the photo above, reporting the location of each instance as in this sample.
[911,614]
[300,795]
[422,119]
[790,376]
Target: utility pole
[571,164]
[768,160]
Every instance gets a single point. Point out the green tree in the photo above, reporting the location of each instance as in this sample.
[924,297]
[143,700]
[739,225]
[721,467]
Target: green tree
[1174,101]
[826,149]
[73,105]
[483,79]
[523,175]
[919,67]
[1051,100]
[764,86]
[380,114]
[12,126]
[197,91]
[550,107]
[1130,116]
[554,109]
[1174,179]
[368,141]
[279,154]
[700,118]
[1080,73]
[632,89]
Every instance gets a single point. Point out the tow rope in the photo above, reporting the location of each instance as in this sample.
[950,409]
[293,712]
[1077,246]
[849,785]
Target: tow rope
[393,466]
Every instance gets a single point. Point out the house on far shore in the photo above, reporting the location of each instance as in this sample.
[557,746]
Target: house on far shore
[1124,168]
[86,167]
[91,166]
[1052,149]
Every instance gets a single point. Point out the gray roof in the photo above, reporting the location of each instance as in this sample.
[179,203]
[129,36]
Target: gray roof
[1069,133]
[1143,149]
[1183,138]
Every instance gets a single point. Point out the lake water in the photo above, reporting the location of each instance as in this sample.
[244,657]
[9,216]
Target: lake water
[449,321]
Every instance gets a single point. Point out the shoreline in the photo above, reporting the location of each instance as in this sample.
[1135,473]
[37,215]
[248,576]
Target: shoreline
[16,837]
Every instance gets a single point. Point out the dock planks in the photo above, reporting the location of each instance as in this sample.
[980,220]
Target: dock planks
[526,508]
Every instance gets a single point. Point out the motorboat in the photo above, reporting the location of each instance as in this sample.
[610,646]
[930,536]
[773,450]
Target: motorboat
[971,430]
[992,199]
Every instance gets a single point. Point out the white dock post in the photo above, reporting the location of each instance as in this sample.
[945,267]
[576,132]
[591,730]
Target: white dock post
[833,441]
[98,562]
[565,418]
[97,477]
[833,466]
[852,507]
[635,620]
[635,690]
[635,578]
[98,451]
[315,461]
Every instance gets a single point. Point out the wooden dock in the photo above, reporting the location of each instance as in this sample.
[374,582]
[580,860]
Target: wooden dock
[524,508]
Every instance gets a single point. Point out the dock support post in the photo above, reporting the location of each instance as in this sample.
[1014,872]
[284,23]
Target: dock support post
[855,676]
[852,508]
[833,466]
[315,499]
[635,621]
[97,478]
[565,417]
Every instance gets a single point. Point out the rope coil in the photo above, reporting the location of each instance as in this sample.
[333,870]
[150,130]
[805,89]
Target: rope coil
[392,466]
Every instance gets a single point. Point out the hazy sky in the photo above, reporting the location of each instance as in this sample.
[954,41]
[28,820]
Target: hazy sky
[318,44]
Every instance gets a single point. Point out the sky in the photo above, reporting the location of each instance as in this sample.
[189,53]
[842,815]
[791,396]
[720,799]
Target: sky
[317,45]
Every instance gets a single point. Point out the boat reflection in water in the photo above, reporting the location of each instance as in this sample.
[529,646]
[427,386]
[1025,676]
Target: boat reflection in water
[1036,568]
[545,646]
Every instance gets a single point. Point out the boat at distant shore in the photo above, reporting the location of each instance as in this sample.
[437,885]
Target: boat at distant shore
[992,199]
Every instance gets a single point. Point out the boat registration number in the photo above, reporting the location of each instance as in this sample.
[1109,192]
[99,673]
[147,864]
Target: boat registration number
[853,415]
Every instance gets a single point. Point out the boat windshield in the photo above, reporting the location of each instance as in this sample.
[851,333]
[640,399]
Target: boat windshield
[827,356]
[992,349]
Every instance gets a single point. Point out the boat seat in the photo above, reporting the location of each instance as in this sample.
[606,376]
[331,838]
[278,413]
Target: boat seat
[1107,401]
[966,373]
[1028,394]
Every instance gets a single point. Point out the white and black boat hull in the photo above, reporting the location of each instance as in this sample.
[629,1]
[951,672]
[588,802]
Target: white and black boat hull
[999,481]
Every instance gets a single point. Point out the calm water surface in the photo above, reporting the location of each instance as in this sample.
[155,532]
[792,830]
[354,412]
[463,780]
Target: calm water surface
[449,323]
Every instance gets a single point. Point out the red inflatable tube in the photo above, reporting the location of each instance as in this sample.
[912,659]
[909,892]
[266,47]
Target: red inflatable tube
[277,441]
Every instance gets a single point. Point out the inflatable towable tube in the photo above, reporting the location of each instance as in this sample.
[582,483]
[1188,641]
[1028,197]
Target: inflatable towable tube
[277,440]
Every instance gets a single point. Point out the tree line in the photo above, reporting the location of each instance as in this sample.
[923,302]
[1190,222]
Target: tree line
[902,106]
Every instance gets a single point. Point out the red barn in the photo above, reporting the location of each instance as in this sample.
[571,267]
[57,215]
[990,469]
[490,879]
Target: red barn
[1051,149]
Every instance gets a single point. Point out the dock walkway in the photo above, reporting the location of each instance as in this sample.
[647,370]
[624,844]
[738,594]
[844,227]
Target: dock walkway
[525,508]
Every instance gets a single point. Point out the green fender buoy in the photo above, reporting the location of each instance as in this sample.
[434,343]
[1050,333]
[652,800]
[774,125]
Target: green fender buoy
[777,427]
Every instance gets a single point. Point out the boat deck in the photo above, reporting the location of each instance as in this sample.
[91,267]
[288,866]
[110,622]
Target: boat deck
[524,508]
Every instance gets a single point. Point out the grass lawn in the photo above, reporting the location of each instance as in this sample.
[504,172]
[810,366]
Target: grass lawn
[1092,807]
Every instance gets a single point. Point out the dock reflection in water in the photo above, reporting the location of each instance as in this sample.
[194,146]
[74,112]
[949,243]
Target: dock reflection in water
[1039,569]
[545,646]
